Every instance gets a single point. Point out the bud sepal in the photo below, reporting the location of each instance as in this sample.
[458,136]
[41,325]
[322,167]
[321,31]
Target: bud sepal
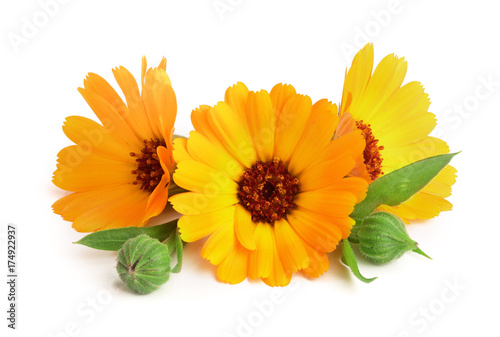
[383,238]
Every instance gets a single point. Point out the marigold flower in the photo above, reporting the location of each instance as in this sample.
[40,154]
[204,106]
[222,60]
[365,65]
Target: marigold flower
[267,185]
[119,171]
[396,124]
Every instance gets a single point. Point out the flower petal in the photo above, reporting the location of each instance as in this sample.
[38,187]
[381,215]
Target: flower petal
[201,178]
[233,269]
[318,133]
[192,203]
[290,247]
[261,121]
[195,227]
[233,133]
[291,125]
[214,155]
[260,260]
[180,151]
[321,233]
[244,227]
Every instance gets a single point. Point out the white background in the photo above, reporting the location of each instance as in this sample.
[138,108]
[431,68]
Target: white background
[451,47]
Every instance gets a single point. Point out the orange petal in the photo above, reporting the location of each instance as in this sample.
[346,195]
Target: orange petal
[321,233]
[291,125]
[290,247]
[279,277]
[261,121]
[78,170]
[318,133]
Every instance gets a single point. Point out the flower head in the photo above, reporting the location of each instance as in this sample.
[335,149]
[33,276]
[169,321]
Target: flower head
[396,123]
[119,171]
[267,185]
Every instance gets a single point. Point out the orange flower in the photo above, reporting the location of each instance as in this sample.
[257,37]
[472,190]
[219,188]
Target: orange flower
[119,170]
[396,123]
[267,185]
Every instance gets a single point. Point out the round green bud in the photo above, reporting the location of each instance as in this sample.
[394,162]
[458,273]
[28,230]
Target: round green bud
[143,264]
[383,238]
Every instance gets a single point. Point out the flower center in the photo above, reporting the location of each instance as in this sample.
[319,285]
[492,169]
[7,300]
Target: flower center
[149,171]
[267,191]
[371,154]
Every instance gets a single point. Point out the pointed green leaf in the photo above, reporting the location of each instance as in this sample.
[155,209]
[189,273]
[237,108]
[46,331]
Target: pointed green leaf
[400,185]
[349,260]
[113,239]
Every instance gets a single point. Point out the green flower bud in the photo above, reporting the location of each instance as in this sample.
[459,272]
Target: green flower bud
[143,264]
[383,238]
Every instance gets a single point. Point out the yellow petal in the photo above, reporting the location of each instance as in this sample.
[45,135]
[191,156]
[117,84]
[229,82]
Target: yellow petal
[192,203]
[220,244]
[317,135]
[199,118]
[198,177]
[260,260]
[236,98]
[244,227]
[233,269]
[386,79]
[231,131]
[180,151]
[397,157]
[261,121]
[195,227]
[214,155]
[357,78]
[279,96]
[279,277]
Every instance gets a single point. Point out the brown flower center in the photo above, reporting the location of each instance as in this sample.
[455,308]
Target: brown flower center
[149,171]
[371,154]
[267,191]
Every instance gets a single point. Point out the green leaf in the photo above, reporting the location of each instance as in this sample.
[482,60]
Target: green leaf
[349,260]
[113,239]
[398,186]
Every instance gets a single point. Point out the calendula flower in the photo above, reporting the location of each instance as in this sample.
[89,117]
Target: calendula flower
[267,185]
[119,170]
[396,124]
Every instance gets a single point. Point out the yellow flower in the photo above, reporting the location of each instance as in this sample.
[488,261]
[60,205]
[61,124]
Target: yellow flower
[119,171]
[267,185]
[396,124]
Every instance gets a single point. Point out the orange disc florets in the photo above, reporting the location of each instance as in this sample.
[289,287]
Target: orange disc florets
[267,190]
[371,154]
[149,171]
